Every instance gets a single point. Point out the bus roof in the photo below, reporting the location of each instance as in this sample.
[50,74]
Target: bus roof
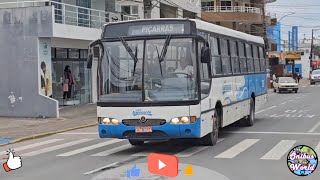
[206,26]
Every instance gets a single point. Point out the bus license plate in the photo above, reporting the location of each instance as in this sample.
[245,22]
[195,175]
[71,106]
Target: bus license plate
[143,129]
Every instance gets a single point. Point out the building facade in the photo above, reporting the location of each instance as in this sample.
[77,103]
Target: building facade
[146,9]
[48,36]
[242,15]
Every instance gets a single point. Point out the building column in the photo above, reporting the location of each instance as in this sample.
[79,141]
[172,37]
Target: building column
[179,13]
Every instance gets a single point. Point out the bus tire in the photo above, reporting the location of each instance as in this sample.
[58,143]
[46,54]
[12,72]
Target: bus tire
[136,142]
[249,120]
[212,138]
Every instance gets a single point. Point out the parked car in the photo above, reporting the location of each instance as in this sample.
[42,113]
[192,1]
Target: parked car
[285,84]
[315,76]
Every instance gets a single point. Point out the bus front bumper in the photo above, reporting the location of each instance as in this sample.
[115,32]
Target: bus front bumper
[166,131]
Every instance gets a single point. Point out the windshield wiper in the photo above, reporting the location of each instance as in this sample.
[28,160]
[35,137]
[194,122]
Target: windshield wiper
[164,52]
[129,50]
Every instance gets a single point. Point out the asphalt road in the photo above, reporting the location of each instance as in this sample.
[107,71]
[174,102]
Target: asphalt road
[243,153]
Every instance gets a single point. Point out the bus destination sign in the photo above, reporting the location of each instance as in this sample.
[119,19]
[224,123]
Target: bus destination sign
[156,29]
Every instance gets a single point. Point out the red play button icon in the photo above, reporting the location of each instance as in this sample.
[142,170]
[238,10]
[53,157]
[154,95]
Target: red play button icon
[163,165]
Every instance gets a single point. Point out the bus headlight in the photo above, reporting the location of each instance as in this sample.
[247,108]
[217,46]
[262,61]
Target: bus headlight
[184,120]
[108,121]
[115,121]
[175,120]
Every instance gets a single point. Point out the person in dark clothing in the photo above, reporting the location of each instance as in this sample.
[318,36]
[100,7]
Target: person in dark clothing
[67,82]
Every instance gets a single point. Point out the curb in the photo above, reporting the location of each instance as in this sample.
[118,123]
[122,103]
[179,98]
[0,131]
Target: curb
[36,136]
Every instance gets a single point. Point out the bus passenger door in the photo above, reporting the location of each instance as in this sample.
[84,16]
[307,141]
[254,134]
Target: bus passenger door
[205,87]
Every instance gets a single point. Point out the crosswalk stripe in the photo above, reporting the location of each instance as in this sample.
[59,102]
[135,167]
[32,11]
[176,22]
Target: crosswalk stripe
[32,145]
[53,148]
[279,150]
[193,150]
[238,148]
[81,150]
[317,149]
[114,150]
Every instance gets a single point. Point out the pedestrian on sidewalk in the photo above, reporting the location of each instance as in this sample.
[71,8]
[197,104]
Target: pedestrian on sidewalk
[298,78]
[68,81]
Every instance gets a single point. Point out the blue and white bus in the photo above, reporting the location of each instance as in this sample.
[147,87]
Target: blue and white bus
[162,79]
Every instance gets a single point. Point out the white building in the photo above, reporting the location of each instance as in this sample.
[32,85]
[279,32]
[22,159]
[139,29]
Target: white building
[305,46]
[54,34]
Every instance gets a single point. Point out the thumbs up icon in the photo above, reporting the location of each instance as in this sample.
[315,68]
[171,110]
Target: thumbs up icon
[13,162]
[134,172]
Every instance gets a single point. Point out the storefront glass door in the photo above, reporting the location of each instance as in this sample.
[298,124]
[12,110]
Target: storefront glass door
[81,89]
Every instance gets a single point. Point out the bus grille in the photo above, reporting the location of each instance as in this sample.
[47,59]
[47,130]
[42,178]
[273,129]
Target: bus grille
[149,122]
[154,134]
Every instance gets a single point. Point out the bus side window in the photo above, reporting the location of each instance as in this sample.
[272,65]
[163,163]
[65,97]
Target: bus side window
[256,59]
[249,58]
[225,56]
[262,59]
[234,57]
[242,56]
[204,74]
[216,59]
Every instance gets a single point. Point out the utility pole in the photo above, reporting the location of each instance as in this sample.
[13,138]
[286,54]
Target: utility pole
[266,42]
[311,51]
[147,7]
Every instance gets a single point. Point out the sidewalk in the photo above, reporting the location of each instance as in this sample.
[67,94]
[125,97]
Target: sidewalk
[16,129]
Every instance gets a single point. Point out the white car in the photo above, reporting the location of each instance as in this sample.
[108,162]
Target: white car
[285,84]
[315,77]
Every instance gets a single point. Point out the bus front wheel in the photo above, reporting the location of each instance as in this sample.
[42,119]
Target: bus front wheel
[212,138]
[136,142]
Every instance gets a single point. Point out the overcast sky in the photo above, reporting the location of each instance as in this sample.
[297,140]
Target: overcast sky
[306,17]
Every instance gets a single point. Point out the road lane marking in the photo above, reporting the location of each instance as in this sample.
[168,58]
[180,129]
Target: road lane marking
[273,133]
[314,127]
[143,153]
[279,150]
[32,145]
[57,147]
[193,150]
[238,148]
[114,150]
[81,150]
[79,133]
[283,103]
[266,109]
[317,149]
[101,168]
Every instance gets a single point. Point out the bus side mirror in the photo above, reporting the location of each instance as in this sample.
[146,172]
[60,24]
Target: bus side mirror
[205,55]
[89,61]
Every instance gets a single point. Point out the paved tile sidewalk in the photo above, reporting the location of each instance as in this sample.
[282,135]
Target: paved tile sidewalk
[70,117]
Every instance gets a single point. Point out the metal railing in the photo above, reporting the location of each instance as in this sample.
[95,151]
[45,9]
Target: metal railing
[72,14]
[241,9]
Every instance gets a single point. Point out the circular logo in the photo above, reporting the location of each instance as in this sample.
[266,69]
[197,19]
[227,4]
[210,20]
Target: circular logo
[302,160]
[143,119]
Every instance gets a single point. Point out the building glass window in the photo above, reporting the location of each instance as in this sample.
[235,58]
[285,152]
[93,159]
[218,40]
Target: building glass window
[74,53]
[135,10]
[83,53]
[61,53]
[126,9]
[209,3]
[226,5]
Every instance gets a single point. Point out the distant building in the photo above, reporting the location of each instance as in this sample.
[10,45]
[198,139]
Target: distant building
[146,9]
[242,15]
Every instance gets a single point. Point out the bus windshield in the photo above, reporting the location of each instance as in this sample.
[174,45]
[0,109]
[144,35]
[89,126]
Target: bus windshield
[156,70]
